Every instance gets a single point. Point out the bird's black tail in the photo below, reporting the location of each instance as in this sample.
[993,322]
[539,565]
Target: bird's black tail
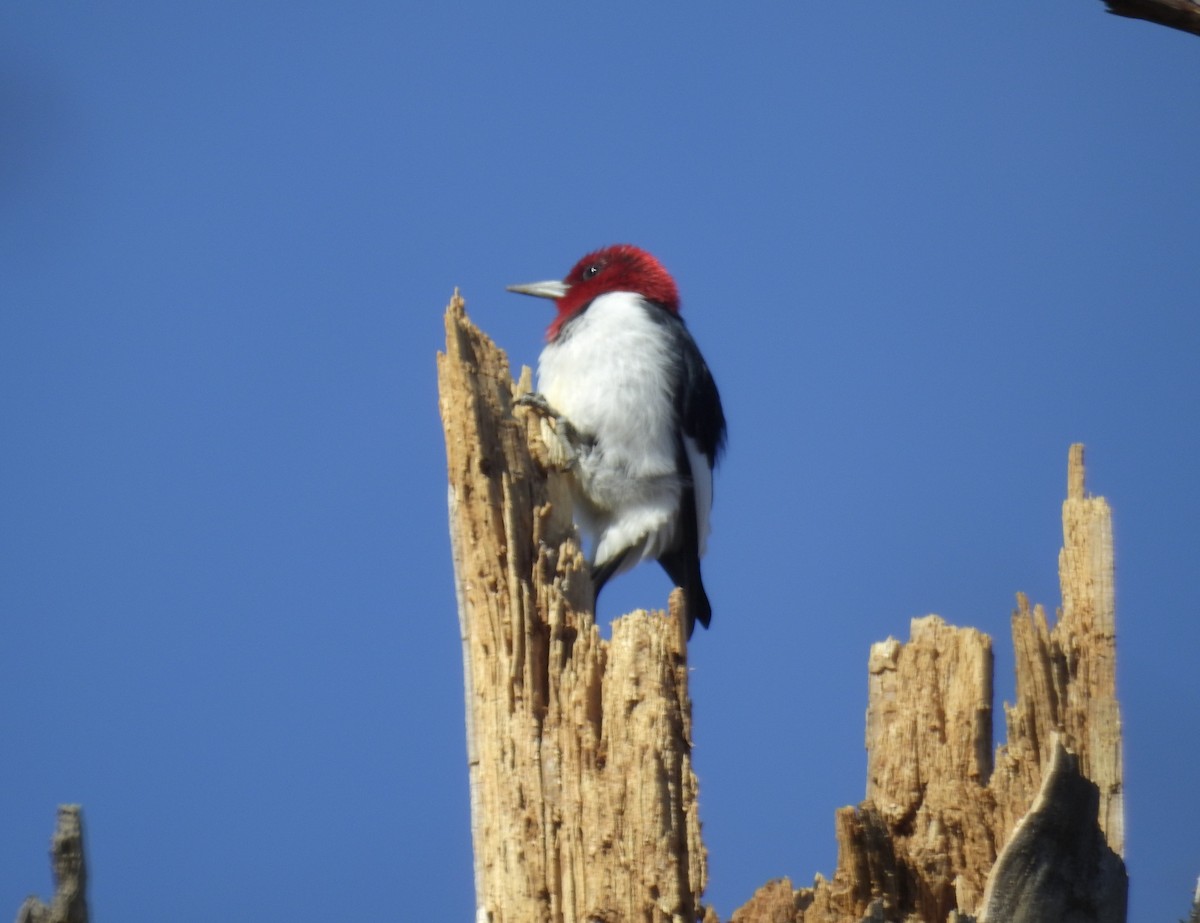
[683,564]
[684,569]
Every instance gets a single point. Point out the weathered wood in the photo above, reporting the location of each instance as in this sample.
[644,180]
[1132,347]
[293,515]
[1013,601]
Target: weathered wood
[929,759]
[583,799]
[939,808]
[1058,865]
[582,792]
[69,868]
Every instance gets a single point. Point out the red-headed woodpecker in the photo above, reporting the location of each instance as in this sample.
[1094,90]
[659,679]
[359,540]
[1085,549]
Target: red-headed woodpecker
[643,416]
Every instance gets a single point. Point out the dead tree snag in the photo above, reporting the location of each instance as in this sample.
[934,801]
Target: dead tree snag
[583,800]
[582,792]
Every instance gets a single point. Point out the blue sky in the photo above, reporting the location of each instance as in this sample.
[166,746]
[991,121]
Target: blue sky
[924,248]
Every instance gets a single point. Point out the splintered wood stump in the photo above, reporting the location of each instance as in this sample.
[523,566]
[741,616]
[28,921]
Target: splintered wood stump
[948,832]
[583,799]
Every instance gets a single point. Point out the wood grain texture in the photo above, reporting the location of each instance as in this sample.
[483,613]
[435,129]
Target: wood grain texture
[939,809]
[583,799]
[582,791]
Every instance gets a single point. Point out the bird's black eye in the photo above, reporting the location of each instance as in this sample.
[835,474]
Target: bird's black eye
[592,270]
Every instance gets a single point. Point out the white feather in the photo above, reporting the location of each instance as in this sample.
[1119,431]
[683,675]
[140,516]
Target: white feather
[609,376]
[702,483]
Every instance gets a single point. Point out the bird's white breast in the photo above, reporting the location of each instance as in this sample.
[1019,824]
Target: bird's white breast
[609,374]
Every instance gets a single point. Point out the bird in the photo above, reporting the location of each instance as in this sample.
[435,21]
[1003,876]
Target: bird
[631,393]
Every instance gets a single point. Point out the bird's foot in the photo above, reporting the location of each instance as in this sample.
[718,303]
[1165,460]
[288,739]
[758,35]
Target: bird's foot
[536,401]
[561,438]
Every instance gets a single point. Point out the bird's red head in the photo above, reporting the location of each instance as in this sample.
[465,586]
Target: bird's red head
[619,268]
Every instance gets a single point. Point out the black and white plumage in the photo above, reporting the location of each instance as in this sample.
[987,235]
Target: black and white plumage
[622,369]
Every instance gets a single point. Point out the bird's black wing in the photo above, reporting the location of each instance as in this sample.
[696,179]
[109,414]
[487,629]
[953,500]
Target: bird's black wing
[701,418]
[697,400]
[700,409]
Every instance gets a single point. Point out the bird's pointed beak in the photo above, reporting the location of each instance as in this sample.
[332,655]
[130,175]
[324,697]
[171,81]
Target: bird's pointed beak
[551,288]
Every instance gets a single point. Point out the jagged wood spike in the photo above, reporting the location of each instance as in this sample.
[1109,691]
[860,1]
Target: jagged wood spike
[939,808]
[69,867]
[583,799]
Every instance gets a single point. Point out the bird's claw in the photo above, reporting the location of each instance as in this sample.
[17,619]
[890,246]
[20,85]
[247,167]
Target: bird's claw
[561,439]
[536,401]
